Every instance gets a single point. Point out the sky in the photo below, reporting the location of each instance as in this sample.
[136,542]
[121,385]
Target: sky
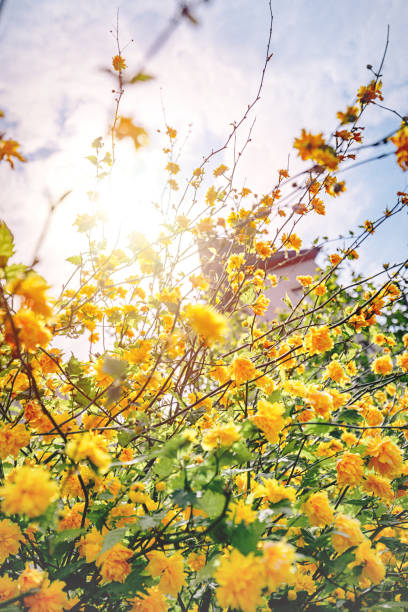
[57,99]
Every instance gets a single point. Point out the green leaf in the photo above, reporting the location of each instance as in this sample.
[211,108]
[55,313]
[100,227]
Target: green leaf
[14,271]
[141,77]
[125,436]
[6,244]
[68,535]
[114,367]
[113,537]
[275,396]
[246,537]
[212,503]
[76,260]
[92,159]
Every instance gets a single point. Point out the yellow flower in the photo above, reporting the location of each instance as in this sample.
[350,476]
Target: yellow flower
[240,579]
[113,563]
[8,149]
[402,361]
[318,509]
[173,168]
[196,561]
[28,490]
[261,305]
[209,324]
[271,490]
[30,329]
[30,578]
[90,545]
[278,559]
[151,601]
[50,597]
[242,369]
[379,486]
[269,419]
[386,457]
[400,140]
[382,365]
[350,470]
[373,567]
[335,371]
[221,435]
[89,446]
[8,588]
[318,340]
[305,281]
[220,170]
[346,533]
[12,438]
[118,63]
[170,569]
[10,538]
[321,402]
[33,289]
[240,512]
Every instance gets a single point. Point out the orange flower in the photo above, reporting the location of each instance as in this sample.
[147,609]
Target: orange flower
[318,509]
[170,569]
[242,369]
[349,470]
[114,563]
[50,597]
[10,538]
[12,438]
[386,457]
[118,63]
[318,340]
[346,533]
[269,419]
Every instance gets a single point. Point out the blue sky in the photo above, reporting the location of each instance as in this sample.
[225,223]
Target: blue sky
[57,100]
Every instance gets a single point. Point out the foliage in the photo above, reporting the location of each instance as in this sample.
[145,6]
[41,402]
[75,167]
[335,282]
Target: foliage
[204,456]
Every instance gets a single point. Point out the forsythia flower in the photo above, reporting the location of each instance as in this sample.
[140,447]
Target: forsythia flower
[318,509]
[28,490]
[221,435]
[386,457]
[206,322]
[114,563]
[318,340]
[278,564]
[242,369]
[349,470]
[170,569]
[12,438]
[50,598]
[346,533]
[10,538]
[240,578]
[151,601]
[269,419]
